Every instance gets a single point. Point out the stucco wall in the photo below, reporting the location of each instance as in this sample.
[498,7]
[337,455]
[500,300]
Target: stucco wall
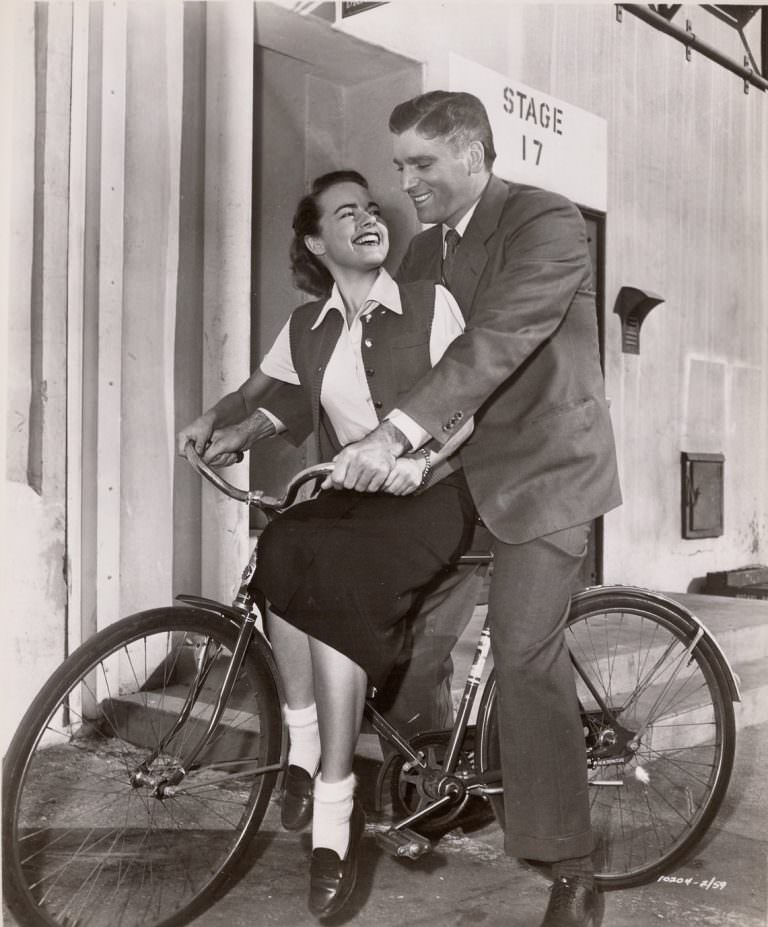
[34,575]
[98,241]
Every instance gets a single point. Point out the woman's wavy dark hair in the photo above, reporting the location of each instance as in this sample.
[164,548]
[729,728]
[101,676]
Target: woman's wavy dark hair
[309,273]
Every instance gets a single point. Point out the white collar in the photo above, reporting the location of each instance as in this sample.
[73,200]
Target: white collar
[384,292]
[461,225]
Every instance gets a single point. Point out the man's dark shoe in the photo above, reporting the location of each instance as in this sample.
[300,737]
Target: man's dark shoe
[573,904]
[332,880]
[296,811]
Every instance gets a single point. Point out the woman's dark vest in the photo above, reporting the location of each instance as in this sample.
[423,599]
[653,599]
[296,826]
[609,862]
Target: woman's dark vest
[394,347]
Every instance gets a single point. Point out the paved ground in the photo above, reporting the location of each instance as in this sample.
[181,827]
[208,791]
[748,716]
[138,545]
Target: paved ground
[467,880]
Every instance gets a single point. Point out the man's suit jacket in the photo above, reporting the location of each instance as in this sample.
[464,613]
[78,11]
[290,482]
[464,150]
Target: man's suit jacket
[542,456]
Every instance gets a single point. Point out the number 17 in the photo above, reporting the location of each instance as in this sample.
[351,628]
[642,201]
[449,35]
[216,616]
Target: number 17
[539,148]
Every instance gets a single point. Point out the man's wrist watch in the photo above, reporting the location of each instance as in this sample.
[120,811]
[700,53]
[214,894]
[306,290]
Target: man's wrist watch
[427,472]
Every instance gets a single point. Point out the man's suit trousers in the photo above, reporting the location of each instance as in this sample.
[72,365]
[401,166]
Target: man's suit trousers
[542,741]
[543,757]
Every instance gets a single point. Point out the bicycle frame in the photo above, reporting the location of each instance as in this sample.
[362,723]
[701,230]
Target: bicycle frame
[447,787]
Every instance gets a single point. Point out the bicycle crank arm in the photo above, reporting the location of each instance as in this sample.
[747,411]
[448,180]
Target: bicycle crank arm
[425,812]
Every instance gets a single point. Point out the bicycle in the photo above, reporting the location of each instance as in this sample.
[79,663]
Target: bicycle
[144,767]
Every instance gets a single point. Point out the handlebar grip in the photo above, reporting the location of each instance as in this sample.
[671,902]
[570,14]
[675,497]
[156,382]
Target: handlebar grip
[212,476]
[256,497]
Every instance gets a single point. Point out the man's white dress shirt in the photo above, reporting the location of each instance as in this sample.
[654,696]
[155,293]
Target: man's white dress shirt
[345,395]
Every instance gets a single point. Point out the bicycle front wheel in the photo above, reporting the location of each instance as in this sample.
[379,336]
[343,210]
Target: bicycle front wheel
[90,834]
[659,732]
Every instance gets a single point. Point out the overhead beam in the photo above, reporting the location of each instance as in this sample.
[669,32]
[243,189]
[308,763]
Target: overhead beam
[690,40]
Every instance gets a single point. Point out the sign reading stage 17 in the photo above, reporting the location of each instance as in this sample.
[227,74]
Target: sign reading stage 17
[537,114]
[539,139]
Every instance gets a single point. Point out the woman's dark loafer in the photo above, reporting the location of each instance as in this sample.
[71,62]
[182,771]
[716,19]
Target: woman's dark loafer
[332,880]
[296,810]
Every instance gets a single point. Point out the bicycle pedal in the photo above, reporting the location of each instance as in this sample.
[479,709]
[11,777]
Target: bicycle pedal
[403,843]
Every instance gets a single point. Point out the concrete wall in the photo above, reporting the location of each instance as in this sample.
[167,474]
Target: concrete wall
[125,297]
[687,218]
[34,576]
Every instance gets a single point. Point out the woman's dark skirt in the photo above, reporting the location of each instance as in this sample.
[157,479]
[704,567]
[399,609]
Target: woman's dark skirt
[347,567]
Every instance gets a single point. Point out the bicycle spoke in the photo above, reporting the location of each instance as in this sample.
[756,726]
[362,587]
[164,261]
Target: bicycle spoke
[114,847]
[659,730]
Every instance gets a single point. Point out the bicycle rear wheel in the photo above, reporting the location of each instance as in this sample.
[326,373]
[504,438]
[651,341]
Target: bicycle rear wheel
[87,838]
[659,727]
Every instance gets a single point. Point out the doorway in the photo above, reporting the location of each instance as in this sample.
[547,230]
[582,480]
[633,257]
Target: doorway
[322,101]
[591,573]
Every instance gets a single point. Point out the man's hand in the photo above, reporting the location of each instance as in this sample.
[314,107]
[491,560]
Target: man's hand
[365,465]
[199,433]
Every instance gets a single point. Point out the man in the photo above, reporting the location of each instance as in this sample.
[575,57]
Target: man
[540,465]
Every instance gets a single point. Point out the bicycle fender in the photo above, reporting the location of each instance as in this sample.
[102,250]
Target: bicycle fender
[696,624]
[236,617]
[212,606]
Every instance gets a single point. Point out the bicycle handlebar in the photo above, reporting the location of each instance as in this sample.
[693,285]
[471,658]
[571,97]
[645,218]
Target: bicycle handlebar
[256,497]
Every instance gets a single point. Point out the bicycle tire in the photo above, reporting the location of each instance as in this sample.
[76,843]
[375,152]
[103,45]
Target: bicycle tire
[81,843]
[650,803]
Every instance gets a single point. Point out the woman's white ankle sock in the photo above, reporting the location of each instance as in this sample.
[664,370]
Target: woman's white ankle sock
[304,749]
[331,812]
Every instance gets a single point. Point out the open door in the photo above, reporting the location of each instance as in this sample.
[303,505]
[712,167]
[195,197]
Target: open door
[592,569]
[322,101]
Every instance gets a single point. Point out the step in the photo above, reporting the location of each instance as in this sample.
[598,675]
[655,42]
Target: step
[238,737]
[753,683]
[740,625]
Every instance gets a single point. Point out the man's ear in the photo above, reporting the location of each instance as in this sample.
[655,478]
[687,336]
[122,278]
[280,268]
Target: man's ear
[314,244]
[476,156]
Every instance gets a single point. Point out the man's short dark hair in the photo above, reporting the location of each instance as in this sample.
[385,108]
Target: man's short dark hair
[455,116]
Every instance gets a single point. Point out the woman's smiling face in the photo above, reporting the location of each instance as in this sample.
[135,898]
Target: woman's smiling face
[352,233]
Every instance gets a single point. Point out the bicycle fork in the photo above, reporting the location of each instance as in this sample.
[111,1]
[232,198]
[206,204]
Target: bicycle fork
[243,604]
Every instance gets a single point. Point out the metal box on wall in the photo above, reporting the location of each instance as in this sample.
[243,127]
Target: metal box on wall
[702,495]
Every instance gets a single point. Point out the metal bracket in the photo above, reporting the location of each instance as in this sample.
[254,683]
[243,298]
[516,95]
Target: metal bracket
[692,35]
[632,306]
[660,18]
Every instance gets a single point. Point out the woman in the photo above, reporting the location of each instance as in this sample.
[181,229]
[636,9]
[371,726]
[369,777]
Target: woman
[341,571]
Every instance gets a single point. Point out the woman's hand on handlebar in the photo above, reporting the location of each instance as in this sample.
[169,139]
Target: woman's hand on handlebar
[405,476]
[225,447]
[198,433]
[220,447]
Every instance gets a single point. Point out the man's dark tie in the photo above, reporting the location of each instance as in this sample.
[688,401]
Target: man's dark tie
[452,239]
